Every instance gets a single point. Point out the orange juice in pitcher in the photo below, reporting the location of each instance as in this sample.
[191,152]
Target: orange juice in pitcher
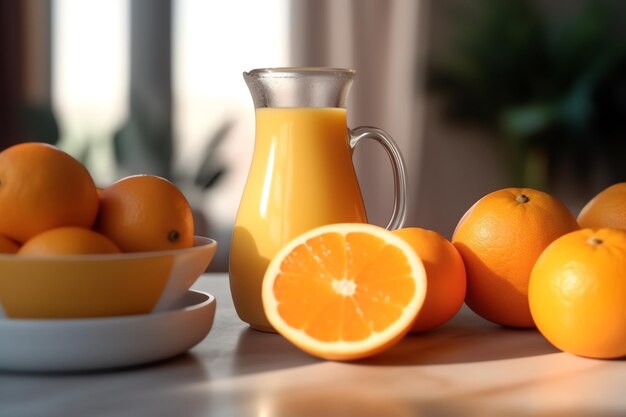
[301,174]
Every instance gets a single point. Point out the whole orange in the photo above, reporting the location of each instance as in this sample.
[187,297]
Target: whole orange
[41,188]
[606,209]
[577,293]
[7,245]
[145,213]
[68,241]
[445,277]
[499,238]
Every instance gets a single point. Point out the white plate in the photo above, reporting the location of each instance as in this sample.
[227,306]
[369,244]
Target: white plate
[102,343]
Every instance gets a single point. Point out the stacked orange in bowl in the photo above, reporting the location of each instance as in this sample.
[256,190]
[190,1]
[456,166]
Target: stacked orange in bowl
[71,250]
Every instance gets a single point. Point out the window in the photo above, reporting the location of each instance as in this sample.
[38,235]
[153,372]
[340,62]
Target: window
[90,78]
[213,42]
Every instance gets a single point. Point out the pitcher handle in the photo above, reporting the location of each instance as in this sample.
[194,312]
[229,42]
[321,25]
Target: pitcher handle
[397,165]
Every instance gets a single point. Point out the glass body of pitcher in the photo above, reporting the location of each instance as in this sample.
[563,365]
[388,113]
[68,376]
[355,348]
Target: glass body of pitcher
[301,175]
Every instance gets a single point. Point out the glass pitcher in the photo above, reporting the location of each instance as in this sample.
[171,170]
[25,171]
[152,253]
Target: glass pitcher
[301,175]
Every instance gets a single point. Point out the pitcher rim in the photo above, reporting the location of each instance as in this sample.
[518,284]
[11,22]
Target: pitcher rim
[295,71]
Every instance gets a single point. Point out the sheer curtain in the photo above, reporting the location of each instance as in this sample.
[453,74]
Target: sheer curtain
[381,40]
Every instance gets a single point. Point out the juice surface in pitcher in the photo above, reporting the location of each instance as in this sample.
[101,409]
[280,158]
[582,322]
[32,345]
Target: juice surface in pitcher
[301,177]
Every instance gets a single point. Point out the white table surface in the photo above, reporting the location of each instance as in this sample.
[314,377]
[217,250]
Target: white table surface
[468,367]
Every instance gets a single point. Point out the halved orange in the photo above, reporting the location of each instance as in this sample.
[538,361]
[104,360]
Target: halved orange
[344,291]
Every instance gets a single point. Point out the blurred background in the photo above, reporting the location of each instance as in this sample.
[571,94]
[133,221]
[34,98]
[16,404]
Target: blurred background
[478,94]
